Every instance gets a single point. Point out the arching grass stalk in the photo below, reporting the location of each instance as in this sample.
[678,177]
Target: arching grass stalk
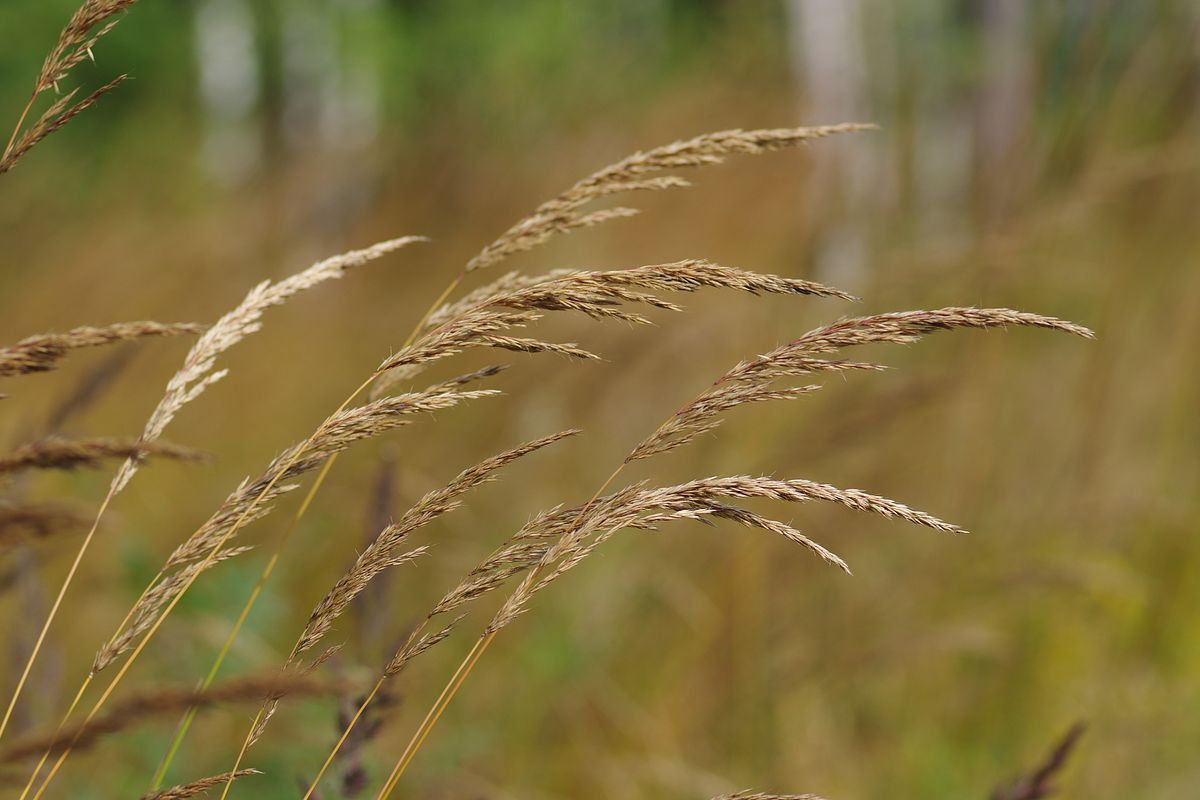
[185,723]
[208,559]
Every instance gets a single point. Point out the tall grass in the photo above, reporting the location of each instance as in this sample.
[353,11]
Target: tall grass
[504,315]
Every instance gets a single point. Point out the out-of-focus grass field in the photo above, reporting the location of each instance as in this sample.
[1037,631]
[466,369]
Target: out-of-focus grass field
[697,660]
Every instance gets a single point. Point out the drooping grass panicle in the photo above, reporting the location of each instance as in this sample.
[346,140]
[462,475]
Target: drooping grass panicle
[638,507]
[386,550]
[198,787]
[900,327]
[637,173]
[253,499]
[57,453]
[750,383]
[24,521]
[197,372]
[62,111]
[155,703]
[598,294]
[147,608]
[187,384]
[752,380]
[560,538]
[87,25]
[42,352]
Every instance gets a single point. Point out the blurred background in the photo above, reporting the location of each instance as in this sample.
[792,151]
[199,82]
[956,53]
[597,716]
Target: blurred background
[1042,156]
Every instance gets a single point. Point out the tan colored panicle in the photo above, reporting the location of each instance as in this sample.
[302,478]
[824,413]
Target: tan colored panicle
[751,381]
[598,294]
[197,787]
[639,507]
[149,705]
[42,352]
[54,118]
[340,432]
[900,327]
[56,453]
[87,25]
[636,173]
[197,374]
[337,433]
[25,521]
[386,551]
[148,606]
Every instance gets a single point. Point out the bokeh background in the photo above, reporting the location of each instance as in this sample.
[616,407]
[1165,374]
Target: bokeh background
[1035,155]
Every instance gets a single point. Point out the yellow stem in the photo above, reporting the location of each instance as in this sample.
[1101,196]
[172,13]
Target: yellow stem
[435,713]
[186,722]
[61,723]
[20,121]
[304,508]
[434,307]
[208,559]
[362,707]
[460,675]
[87,682]
[37,647]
